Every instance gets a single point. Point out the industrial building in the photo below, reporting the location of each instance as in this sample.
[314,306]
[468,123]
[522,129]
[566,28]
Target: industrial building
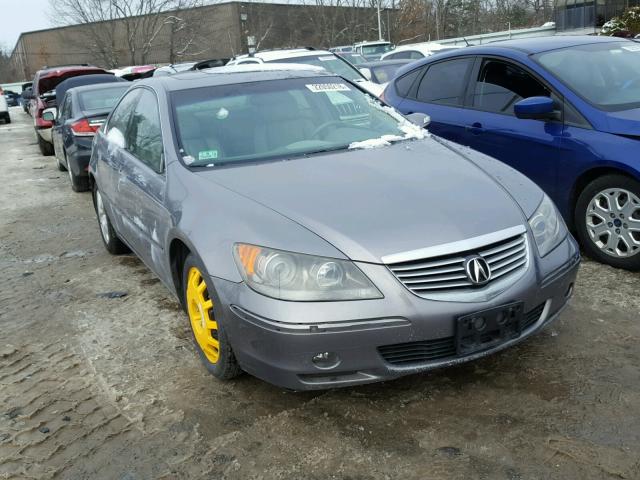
[213,31]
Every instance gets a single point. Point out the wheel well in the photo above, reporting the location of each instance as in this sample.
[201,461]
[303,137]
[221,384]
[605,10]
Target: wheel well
[178,252]
[589,176]
[92,182]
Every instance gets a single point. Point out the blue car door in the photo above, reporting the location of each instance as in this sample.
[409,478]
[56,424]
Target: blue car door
[440,93]
[141,186]
[534,147]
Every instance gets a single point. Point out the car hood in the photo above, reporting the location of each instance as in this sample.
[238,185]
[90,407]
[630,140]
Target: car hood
[626,122]
[377,202]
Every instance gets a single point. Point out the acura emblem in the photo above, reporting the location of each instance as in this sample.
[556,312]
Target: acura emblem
[477,270]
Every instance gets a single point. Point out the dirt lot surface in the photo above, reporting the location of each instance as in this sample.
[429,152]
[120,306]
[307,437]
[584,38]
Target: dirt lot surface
[111,388]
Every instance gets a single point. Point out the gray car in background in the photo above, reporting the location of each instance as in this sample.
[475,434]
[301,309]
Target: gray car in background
[315,237]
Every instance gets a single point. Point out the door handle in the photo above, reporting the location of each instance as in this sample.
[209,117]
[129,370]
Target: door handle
[475,128]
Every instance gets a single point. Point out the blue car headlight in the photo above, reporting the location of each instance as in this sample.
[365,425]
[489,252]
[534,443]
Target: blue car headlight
[304,278]
[547,226]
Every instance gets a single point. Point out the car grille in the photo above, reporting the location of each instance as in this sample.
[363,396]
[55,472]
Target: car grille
[416,352]
[444,273]
[440,348]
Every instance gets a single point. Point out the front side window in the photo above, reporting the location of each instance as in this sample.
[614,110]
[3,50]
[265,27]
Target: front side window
[281,119]
[144,136]
[119,120]
[500,85]
[445,82]
[607,75]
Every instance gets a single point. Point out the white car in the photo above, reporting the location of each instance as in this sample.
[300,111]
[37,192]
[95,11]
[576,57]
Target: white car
[4,109]
[416,51]
[373,51]
[309,56]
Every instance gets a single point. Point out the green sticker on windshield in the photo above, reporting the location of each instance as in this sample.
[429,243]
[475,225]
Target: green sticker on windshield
[208,155]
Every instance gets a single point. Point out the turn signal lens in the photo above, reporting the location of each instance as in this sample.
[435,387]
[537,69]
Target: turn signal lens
[247,255]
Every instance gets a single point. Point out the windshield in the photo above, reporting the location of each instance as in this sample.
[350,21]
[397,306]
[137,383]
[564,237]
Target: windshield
[606,75]
[376,49]
[101,99]
[354,58]
[280,119]
[330,63]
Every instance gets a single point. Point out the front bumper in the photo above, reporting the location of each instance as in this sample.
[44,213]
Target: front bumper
[278,344]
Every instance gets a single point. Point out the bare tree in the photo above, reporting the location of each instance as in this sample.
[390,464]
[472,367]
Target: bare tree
[141,25]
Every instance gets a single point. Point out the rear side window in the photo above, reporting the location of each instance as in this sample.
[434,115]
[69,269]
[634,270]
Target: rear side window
[500,85]
[399,55]
[445,82]
[404,83]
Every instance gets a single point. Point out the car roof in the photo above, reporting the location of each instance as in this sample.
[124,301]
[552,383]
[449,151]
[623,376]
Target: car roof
[535,45]
[99,86]
[381,63]
[271,55]
[233,75]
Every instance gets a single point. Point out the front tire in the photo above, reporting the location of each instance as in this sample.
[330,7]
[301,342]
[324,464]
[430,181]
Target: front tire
[209,335]
[607,219]
[110,238]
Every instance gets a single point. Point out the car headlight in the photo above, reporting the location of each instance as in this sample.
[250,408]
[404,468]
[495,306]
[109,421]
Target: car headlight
[305,278]
[547,226]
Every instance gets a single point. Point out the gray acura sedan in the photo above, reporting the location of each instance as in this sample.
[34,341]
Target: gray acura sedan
[315,237]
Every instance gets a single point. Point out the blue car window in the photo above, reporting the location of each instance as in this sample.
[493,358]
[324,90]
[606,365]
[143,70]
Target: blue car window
[500,85]
[445,82]
[404,83]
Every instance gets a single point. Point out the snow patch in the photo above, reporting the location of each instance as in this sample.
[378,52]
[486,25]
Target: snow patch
[410,130]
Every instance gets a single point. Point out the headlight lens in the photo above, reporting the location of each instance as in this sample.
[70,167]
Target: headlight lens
[304,278]
[547,226]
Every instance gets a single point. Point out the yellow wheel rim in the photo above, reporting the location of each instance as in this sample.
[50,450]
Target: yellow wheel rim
[200,308]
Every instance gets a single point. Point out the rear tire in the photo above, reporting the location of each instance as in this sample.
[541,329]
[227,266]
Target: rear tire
[607,219]
[204,312]
[46,148]
[110,238]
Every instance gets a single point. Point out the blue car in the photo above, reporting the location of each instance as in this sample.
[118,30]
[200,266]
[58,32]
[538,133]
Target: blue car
[565,111]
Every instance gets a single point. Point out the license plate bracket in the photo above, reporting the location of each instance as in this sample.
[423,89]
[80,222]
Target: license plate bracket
[488,328]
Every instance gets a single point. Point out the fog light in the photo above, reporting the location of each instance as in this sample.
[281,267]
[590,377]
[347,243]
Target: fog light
[326,360]
[479,323]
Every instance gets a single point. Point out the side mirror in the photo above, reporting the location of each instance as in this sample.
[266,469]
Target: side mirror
[420,119]
[366,73]
[116,138]
[49,115]
[535,108]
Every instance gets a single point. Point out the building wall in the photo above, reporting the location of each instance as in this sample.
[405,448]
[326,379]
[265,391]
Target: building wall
[213,31]
[587,14]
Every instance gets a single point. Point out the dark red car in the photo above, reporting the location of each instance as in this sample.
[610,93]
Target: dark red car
[44,84]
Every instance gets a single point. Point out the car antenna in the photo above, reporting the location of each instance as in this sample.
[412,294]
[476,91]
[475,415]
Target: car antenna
[465,41]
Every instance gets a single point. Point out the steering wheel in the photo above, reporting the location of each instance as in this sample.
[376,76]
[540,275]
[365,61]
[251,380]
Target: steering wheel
[324,126]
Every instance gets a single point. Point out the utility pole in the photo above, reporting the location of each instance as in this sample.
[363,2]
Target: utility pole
[379,22]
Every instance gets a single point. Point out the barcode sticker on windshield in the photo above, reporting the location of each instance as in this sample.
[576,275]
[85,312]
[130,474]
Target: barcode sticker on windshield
[632,48]
[328,87]
[326,59]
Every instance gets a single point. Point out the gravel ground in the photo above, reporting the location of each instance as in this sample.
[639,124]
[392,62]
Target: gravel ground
[111,388]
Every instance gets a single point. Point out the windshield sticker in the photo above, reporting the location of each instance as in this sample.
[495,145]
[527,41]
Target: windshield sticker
[188,159]
[222,113]
[328,87]
[208,155]
[326,59]
[632,48]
